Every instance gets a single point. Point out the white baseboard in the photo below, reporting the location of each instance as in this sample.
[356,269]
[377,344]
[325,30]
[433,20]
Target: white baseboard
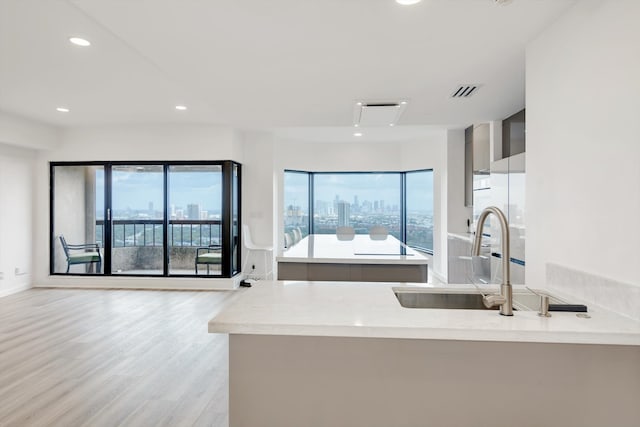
[150,283]
[14,289]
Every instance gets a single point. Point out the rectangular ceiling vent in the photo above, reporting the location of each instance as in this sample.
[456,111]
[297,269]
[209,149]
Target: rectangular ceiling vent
[465,91]
[382,113]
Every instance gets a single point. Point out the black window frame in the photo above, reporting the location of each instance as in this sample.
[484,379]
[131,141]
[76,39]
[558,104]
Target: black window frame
[227,170]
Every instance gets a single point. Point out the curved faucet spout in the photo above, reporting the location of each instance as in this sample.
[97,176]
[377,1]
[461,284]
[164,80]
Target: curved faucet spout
[506,295]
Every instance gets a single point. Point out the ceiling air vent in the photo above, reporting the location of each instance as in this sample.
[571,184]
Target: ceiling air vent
[378,113]
[465,91]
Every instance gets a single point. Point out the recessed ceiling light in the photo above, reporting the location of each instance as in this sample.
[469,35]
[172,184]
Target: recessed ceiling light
[356,125]
[407,2]
[62,109]
[80,41]
[181,107]
[391,124]
[357,134]
[403,103]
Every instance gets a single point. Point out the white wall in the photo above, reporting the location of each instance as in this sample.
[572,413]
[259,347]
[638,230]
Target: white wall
[259,196]
[583,153]
[16,130]
[18,139]
[148,142]
[16,218]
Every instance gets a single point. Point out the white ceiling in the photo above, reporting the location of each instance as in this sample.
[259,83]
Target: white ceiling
[263,64]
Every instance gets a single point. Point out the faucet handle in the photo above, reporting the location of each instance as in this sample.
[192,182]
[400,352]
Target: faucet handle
[493,300]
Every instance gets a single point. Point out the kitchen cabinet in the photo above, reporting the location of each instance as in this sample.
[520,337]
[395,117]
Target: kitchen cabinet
[477,160]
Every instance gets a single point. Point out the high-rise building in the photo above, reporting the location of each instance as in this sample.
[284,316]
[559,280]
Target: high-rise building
[344,213]
[193,211]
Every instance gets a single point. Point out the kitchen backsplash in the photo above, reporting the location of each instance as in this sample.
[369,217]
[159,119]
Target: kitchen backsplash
[622,298]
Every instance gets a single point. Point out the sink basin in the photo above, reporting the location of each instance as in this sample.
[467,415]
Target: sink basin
[530,301]
[464,301]
[448,299]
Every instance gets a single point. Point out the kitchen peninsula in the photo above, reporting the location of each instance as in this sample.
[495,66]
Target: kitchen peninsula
[325,257]
[344,353]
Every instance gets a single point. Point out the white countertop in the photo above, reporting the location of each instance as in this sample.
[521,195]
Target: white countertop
[352,309]
[326,248]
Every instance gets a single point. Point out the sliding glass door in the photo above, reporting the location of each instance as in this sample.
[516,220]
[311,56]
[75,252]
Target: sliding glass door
[77,214]
[137,219]
[195,209]
[145,218]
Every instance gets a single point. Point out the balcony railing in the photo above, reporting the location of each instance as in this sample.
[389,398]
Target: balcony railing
[148,232]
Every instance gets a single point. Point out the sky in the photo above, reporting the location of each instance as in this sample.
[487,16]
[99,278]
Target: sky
[136,190]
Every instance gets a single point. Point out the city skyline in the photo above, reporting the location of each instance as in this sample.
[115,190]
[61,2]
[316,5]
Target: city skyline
[137,191]
[363,186]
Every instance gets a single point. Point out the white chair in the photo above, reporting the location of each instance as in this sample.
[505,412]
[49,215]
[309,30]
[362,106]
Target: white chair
[345,233]
[378,232]
[297,235]
[288,240]
[252,247]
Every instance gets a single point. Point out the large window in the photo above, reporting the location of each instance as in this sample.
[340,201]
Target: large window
[419,209]
[358,200]
[400,201]
[296,202]
[145,218]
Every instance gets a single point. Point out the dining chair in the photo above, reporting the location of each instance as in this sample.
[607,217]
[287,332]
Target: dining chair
[345,233]
[288,240]
[297,235]
[378,232]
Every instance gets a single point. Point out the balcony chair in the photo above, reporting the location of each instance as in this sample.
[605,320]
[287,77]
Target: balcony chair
[252,247]
[209,255]
[345,233]
[87,253]
[378,233]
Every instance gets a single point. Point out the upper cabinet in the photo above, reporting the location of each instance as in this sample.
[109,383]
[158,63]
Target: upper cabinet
[477,160]
[513,134]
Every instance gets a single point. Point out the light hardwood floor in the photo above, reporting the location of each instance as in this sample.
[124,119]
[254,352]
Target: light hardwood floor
[112,357]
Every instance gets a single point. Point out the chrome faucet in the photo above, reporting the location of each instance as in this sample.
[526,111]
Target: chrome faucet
[505,299]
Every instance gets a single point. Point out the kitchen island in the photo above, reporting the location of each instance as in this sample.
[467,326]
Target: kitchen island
[331,354]
[325,257]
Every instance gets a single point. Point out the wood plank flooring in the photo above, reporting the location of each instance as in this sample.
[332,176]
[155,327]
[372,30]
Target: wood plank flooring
[73,357]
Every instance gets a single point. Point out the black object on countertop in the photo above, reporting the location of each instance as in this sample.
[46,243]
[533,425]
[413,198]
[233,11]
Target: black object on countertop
[575,308]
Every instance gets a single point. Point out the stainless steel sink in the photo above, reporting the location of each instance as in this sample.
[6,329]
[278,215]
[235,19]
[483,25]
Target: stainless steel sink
[449,299]
[468,301]
[531,301]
